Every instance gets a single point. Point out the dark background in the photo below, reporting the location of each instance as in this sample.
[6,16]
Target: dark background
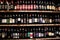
[55,1]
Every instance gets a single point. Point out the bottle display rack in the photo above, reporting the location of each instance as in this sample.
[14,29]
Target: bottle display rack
[29,19]
[26,32]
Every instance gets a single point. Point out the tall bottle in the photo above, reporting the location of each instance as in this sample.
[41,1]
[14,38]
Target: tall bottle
[30,18]
[22,20]
[45,4]
[48,7]
[19,18]
[58,6]
[0,4]
[39,5]
[35,18]
[53,6]
[11,5]
[42,6]
[6,5]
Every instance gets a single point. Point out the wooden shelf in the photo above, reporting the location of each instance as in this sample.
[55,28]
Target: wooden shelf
[30,11]
[35,39]
[29,24]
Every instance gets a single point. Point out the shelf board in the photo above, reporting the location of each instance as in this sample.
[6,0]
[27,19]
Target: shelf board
[30,11]
[47,38]
[29,24]
[35,39]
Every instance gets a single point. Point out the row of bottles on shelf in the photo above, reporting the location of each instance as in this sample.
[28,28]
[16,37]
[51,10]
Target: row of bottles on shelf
[28,5]
[28,18]
[29,32]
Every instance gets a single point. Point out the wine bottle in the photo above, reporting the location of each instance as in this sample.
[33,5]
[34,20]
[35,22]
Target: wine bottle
[59,6]
[22,21]
[6,5]
[36,3]
[35,19]
[42,6]
[18,5]
[30,19]
[11,5]
[25,18]
[0,4]
[48,7]
[19,18]
[53,6]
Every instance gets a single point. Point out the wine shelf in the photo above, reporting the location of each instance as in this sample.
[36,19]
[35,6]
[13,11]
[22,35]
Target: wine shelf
[30,11]
[29,20]
[35,39]
[29,24]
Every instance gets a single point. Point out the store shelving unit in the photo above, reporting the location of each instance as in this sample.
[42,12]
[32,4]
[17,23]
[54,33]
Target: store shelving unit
[38,11]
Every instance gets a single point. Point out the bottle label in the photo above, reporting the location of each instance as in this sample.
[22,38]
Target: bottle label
[4,20]
[30,20]
[48,7]
[19,19]
[36,20]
